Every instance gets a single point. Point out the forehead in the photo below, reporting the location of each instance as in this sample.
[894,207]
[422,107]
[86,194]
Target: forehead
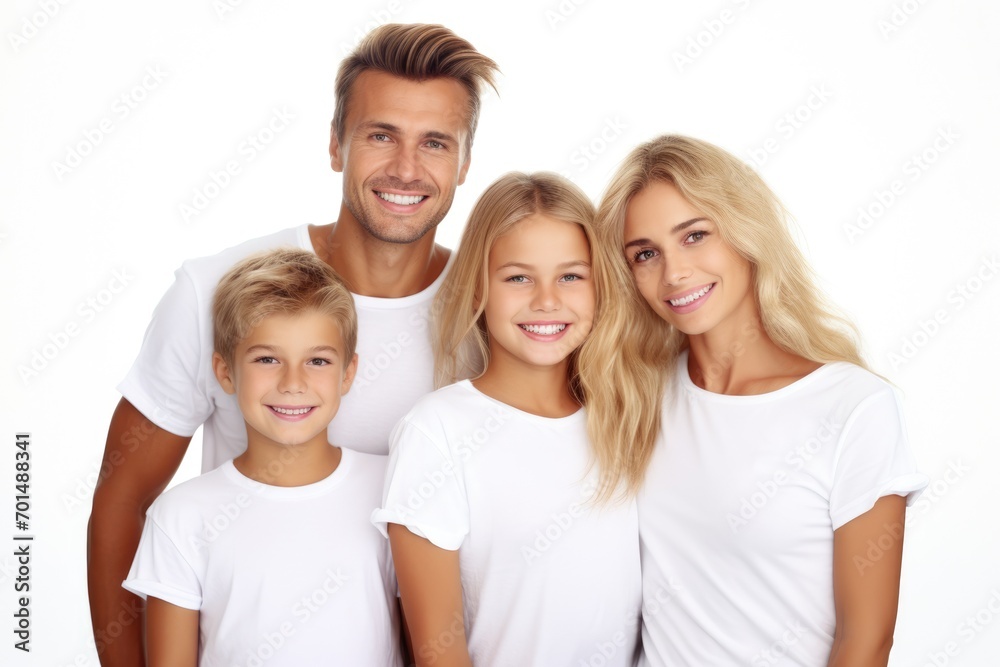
[540,235]
[434,105]
[307,328]
[659,204]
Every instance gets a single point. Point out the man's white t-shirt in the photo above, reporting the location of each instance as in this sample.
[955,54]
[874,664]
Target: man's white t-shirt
[739,506]
[280,575]
[172,383]
[547,578]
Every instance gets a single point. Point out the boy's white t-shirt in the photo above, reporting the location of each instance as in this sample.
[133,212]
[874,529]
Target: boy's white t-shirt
[546,579]
[172,383]
[280,575]
[739,506]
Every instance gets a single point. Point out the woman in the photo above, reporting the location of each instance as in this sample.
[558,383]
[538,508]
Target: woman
[771,517]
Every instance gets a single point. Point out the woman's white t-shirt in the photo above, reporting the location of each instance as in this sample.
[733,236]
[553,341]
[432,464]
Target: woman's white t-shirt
[739,506]
[547,578]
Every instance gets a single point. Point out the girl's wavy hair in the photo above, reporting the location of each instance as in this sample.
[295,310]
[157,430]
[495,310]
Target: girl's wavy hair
[603,374]
[794,314]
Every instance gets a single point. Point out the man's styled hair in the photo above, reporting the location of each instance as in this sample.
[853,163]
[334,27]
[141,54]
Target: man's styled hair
[286,281]
[418,52]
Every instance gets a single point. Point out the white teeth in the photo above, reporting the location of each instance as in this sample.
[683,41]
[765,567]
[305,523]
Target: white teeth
[690,297]
[543,329]
[296,411]
[406,200]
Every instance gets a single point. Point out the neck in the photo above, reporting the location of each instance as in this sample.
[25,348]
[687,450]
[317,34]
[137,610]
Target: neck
[275,464]
[540,391]
[738,358]
[371,267]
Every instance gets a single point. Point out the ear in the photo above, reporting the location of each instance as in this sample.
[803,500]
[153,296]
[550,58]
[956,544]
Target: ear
[465,169]
[223,373]
[336,152]
[349,373]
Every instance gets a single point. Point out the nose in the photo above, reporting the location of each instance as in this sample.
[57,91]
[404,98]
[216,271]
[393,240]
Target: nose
[545,298]
[292,380]
[675,268]
[405,164]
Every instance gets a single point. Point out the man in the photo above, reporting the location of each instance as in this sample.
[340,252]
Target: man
[406,112]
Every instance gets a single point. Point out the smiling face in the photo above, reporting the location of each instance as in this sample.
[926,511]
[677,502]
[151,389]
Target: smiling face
[687,273]
[289,375]
[402,153]
[540,300]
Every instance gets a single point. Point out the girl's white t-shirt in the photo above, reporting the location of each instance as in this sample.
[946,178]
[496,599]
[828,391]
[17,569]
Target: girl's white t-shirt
[280,575]
[740,503]
[547,578]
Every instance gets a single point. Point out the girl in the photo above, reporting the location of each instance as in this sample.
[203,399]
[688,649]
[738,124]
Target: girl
[504,553]
[771,519]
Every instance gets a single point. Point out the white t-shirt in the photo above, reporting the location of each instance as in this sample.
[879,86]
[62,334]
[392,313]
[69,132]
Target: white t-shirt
[172,383]
[281,575]
[546,579]
[738,509]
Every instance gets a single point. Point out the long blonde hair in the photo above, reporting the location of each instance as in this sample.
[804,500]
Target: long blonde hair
[794,314]
[597,376]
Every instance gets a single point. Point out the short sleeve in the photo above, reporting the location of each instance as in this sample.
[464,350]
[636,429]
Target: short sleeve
[163,382]
[424,488]
[873,459]
[159,569]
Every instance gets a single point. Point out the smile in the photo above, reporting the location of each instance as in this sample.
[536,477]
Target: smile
[691,298]
[292,412]
[543,329]
[401,200]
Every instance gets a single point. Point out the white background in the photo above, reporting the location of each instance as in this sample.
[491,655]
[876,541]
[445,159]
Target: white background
[601,76]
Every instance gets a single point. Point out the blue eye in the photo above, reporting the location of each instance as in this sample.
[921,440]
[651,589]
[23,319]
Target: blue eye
[517,279]
[643,256]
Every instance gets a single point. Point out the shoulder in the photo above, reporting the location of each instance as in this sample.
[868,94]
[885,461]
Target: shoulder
[193,496]
[364,465]
[206,271]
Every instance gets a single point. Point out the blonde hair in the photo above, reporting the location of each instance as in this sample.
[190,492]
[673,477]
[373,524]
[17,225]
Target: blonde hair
[598,377]
[417,52]
[751,220]
[285,281]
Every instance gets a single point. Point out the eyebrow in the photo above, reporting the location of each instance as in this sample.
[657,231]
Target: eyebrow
[272,349]
[389,127]
[528,267]
[673,230]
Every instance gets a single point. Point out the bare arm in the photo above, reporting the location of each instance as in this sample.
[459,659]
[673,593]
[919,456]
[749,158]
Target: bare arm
[430,586]
[171,635]
[867,558]
[140,458]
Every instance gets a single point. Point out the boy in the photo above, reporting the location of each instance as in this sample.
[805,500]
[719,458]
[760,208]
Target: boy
[270,558]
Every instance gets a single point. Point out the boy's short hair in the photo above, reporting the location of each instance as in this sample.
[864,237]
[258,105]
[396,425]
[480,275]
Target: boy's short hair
[285,281]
